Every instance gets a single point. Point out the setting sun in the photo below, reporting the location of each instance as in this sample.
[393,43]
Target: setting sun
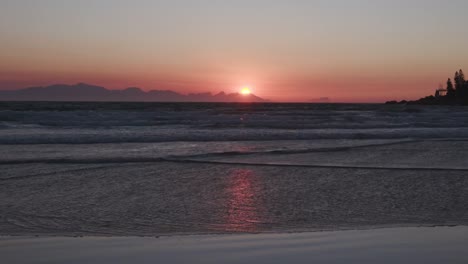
[246,91]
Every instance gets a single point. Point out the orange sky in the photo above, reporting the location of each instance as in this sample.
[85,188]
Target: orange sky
[343,88]
[365,51]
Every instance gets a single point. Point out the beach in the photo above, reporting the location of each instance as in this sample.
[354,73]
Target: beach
[337,182]
[247,131]
[393,245]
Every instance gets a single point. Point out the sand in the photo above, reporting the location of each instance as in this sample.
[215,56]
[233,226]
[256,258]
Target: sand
[390,245]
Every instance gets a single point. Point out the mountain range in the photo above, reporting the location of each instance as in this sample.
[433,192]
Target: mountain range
[87,92]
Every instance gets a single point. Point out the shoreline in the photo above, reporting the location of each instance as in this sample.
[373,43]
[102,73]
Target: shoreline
[273,232]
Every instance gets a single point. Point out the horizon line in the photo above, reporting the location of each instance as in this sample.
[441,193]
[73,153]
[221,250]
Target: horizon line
[268,98]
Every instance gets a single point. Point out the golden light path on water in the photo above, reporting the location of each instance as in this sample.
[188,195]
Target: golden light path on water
[242,215]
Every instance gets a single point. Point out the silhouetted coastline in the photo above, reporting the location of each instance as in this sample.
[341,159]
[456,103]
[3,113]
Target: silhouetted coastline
[455,93]
[83,92]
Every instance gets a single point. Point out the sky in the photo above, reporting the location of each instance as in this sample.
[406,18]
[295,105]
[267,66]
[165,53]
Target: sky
[291,50]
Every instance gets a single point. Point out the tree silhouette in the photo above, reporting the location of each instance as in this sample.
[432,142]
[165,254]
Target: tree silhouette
[459,84]
[456,93]
[450,89]
[463,91]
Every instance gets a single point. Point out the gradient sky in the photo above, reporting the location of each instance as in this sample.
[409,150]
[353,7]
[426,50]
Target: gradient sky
[291,50]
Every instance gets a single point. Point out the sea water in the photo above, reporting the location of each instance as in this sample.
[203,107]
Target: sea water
[152,168]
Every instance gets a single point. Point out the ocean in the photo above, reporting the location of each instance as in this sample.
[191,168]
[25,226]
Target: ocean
[150,169]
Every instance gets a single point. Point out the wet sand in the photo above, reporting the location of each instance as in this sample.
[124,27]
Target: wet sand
[165,198]
[392,245]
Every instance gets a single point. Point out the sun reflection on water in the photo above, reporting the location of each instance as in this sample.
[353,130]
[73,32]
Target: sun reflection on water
[242,215]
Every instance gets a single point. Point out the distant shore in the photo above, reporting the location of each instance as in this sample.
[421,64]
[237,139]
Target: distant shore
[455,93]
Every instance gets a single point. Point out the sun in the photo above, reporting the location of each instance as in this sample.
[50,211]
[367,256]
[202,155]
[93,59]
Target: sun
[245,91]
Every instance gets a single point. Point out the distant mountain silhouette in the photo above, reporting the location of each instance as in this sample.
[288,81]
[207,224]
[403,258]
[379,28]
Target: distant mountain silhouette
[320,100]
[87,92]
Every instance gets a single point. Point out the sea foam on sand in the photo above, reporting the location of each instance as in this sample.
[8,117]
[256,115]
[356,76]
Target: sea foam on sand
[392,245]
